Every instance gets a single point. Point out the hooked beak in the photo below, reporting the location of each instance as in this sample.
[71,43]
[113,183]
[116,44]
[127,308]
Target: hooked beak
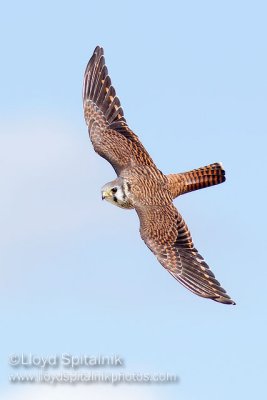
[105,194]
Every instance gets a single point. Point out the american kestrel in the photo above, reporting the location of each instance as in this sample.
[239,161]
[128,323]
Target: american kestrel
[140,185]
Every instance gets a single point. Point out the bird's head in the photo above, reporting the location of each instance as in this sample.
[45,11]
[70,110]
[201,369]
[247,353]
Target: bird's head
[115,192]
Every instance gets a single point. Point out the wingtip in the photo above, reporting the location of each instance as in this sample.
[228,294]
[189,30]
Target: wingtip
[99,50]
[225,300]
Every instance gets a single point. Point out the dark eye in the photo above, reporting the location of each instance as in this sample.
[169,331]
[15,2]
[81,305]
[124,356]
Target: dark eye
[114,190]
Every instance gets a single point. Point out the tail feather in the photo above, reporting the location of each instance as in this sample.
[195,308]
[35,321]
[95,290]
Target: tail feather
[200,178]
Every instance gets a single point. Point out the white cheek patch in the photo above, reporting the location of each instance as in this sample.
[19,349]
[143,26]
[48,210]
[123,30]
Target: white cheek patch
[113,201]
[118,198]
[119,195]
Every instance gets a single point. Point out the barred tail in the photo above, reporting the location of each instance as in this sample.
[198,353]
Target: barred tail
[200,178]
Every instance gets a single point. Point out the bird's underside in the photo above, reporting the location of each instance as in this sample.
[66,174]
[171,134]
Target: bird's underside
[141,185]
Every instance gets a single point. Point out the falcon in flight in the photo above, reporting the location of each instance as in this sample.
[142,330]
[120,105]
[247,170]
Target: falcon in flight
[142,186]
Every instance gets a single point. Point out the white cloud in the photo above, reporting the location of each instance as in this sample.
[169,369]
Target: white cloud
[50,178]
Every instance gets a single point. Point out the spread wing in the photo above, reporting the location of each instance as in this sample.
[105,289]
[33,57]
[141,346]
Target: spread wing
[108,130]
[167,236]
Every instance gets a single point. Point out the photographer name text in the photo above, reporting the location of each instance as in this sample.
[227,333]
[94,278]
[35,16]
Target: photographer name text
[65,360]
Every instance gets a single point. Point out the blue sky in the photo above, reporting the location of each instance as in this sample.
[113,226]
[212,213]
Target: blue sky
[75,275]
